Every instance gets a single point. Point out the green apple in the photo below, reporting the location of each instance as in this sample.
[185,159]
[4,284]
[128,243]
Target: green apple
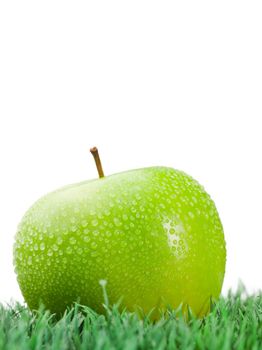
[153,234]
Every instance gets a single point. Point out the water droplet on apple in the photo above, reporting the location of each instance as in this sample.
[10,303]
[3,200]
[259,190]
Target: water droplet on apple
[50,252]
[84,223]
[102,283]
[76,210]
[42,246]
[69,250]
[117,222]
[59,240]
[93,245]
[79,250]
[72,240]
[94,222]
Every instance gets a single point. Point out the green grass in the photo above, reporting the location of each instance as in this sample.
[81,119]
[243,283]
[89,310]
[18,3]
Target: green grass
[234,323]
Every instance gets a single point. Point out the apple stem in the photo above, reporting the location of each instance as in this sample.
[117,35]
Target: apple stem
[95,154]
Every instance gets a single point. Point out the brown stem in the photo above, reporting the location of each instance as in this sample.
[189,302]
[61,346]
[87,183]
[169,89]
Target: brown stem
[95,154]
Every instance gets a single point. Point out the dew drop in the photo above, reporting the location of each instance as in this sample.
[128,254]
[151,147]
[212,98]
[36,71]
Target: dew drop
[103,283]
[49,253]
[117,222]
[191,215]
[94,222]
[72,240]
[55,247]
[84,223]
[59,240]
[92,212]
[42,246]
[69,250]
[93,245]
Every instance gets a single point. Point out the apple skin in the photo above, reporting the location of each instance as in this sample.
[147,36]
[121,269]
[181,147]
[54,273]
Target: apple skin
[153,234]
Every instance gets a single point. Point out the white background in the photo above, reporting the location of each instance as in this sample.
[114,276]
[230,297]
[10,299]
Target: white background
[150,83]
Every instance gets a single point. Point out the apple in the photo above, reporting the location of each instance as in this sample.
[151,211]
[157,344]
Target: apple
[153,234]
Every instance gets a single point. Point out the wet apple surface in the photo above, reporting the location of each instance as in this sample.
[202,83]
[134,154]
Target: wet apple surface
[153,234]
